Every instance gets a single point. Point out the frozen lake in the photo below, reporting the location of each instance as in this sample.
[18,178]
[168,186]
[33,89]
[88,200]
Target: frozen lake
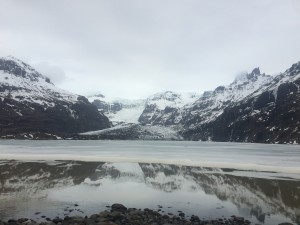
[262,157]
[49,178]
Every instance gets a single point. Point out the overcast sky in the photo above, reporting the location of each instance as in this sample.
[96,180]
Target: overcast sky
[134,48]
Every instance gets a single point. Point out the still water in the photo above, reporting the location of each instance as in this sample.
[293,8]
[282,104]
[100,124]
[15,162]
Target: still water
[211,180]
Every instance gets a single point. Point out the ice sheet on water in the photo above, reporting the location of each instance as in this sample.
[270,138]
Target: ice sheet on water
[261,157]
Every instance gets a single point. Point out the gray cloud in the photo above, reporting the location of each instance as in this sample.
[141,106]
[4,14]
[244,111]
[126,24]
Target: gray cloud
[134,48]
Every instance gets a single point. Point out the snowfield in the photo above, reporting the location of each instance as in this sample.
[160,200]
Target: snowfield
[33,88]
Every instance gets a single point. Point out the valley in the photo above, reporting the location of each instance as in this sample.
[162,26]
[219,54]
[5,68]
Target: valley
[255,107]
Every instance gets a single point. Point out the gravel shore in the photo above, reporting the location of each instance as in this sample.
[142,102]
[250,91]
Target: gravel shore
[120,215]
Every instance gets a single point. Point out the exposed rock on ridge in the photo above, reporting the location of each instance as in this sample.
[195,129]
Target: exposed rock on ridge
[271,114]
[32,107]
[165,108]
[255,107]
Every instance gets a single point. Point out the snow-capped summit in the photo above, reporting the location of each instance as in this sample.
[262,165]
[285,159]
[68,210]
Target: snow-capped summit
[244,77]
[15,66]
[30,104]
[291,75]
[255,107]
[212,104]
[171,99]
[169,108]
[268,112]
[167,95]
[294,70]
[21,82]
[164,108]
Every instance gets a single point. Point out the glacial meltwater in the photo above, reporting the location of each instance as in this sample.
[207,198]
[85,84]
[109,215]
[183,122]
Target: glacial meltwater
[41,179]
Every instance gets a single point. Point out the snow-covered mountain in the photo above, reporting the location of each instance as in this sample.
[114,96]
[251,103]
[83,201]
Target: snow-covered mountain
[269,114]
[149,111]
[211,104]
[255,107]
[165,108]
[22,83]
[144,119]
[30,105]
[188,109]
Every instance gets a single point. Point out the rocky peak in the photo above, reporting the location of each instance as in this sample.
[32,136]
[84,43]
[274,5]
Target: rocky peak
[220,89]
[246,77]
[167,95]
[23,83]
[100,95]
[96,96]
[294,70]
[31,105]
[255,72]
[18,68]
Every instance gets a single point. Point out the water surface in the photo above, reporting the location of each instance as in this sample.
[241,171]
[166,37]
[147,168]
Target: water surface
[211,180]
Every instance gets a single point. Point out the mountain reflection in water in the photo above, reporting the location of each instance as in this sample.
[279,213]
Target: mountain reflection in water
[28,187]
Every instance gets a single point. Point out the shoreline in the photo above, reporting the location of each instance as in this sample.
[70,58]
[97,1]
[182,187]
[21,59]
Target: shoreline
[118,214]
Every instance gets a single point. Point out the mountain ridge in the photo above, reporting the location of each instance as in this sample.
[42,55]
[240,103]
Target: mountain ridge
[268,115]
[255,107]
[32,107]
[206,118]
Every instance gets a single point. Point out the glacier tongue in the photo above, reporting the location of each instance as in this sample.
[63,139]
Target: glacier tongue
[255,107]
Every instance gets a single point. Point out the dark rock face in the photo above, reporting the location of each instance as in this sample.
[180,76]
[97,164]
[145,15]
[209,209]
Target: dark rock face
[55,120]
[32,107]
[20,69]
[154,116]
[100,104]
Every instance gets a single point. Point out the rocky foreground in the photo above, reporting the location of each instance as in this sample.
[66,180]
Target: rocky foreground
[120,215]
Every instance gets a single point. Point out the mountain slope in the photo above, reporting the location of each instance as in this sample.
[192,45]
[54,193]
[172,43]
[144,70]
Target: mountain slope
[31,106]
[254,108]
[165,108]
[211,104]
[270,114]
[170,108]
